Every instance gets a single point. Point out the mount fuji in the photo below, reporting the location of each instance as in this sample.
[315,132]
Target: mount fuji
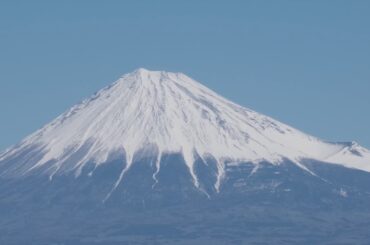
[158,158]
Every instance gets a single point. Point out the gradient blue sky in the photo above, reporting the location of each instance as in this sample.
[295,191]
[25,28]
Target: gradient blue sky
[305,63]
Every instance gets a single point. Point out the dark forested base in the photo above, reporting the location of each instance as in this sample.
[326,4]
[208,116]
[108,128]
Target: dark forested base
[281,204]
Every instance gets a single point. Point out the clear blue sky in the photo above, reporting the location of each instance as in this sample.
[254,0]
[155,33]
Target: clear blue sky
[305,63]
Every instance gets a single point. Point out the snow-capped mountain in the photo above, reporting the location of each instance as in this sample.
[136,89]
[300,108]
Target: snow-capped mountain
[155,113]
[158,158]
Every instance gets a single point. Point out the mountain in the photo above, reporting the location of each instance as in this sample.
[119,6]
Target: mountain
[158,142]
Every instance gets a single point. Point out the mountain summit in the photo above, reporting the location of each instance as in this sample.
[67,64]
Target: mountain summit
[152,113]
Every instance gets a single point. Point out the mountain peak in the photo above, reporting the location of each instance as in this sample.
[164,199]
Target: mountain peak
[145,76]
[141,70]
[145,72]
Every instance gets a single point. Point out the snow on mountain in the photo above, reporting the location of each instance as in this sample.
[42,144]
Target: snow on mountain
[156,112]
[351,155]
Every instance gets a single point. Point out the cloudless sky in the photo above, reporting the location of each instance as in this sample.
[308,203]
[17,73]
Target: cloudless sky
[305,63]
